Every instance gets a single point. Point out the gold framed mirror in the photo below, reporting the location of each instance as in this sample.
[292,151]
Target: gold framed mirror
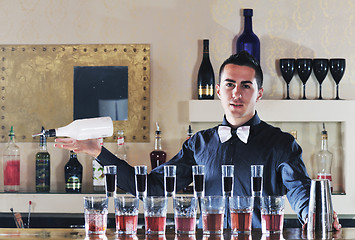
[37,86]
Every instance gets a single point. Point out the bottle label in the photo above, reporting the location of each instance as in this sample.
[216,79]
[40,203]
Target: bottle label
[98,175]
[42,175]
[73,182]
[12,173]
[206,90]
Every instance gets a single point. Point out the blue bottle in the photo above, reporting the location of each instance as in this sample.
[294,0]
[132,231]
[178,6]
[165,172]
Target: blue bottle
[248,41]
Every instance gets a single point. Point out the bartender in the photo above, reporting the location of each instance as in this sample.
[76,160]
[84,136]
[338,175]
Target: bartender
[242,140]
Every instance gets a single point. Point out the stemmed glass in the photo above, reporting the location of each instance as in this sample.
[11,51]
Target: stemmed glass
[257,180]
[320,69]
[337,69]
[110,180]
[141,181]
[227,180]
[198,172]
[304,70]
[169,180]
[287,68]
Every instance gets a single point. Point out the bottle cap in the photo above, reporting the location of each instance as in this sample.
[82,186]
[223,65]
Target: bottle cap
[324,132]
[205,41]
[248,12]
[12,133]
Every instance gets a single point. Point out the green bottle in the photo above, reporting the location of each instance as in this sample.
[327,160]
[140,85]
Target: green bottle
[43,169]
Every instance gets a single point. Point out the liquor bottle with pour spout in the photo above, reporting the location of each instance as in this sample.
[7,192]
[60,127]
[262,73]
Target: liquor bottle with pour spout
[324,159]
[158,156]
[43,167]
[82,129]
[11,164]
[190,187]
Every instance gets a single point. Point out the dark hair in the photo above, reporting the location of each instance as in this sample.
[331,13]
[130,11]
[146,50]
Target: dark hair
[243,58]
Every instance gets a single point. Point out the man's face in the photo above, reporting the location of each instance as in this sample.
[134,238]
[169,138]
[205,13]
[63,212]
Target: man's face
[239,93]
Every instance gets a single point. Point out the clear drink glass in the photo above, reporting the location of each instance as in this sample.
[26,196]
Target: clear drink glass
[227,180]
[185,209]
[95,210]
[126,214]
[198,173]
[110,180]
[272,214]
[241,208]
[257,180]
[155,209]
[212,208]
[141,181]
[170,180]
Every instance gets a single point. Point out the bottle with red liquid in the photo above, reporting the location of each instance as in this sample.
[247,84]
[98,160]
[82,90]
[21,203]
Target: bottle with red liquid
[158,156]
[324,159]
[11,161]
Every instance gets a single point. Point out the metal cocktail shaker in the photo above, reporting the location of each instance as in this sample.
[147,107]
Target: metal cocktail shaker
[320,213]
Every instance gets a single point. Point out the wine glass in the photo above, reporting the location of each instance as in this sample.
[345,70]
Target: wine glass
[337,68]
[304,70]
[287,68]
[320,69]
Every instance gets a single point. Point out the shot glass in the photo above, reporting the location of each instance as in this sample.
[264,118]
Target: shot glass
[141,181]
[95,210]
[169,180]
[212,208]
[198,172]
[227,180]
[272,214]
[155,209]
[185,209]
[126,213]
[257,180]
[110,180]
[241,209]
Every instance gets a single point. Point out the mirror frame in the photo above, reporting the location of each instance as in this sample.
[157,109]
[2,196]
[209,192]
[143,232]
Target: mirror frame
[36,85]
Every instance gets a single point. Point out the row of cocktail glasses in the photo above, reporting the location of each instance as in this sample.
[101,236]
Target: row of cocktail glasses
[185,207]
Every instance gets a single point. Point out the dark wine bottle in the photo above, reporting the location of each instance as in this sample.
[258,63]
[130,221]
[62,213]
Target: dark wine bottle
[248,41]
[43,167]
[73,172]
[205,77]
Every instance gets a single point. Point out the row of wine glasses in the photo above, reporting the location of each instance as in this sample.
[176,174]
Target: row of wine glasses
[320,66]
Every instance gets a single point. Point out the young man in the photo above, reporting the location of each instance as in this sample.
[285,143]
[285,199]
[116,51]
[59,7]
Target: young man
[241,140]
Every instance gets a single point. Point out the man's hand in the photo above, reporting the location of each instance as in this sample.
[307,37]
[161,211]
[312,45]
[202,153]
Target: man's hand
[91,146]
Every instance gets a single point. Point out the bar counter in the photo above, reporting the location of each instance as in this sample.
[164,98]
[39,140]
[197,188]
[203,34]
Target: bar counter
[79,233]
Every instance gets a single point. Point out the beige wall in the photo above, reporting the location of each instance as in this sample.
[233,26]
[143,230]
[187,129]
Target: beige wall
[175,29]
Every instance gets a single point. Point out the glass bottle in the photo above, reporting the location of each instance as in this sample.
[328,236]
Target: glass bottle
[73,173]
[205,77]
[190,187]
[248,41]
[324,159]
[11,164]
[98,176]
[81,129]
[121,151]
[158,156]
[43,169]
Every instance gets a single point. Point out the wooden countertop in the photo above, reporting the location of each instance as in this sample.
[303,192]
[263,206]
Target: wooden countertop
[66,233]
